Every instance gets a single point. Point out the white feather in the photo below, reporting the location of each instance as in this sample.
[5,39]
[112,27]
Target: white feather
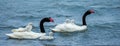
[28,28]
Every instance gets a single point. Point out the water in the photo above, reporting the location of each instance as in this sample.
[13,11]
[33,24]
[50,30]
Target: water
[103,25]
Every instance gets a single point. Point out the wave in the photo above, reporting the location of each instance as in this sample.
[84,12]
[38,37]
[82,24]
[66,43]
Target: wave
[68,5]
[25,16]
[100,6]
[6,27]
[62,15]
[106,25]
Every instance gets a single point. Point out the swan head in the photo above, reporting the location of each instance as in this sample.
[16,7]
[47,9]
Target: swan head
[48,19]
[90,11]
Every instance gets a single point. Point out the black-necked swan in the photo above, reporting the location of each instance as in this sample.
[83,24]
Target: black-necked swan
[31,34]
[70,26]
[28,28]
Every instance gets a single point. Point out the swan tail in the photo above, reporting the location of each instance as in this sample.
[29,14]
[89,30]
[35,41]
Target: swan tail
[10,35]
[19,30]
[55,30]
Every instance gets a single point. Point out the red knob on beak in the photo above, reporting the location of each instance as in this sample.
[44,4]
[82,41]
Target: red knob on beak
[51,20]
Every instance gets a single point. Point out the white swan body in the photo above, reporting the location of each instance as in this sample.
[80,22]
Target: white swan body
[31,35]
[69,26]
[28,28]
[25,35]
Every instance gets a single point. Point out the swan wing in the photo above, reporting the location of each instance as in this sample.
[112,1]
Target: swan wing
[19,30]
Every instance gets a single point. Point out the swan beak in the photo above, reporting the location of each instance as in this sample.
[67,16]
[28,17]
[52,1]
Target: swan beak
[92,11]
[51,20]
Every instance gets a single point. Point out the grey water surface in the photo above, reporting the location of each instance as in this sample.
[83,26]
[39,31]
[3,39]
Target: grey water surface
[103,25]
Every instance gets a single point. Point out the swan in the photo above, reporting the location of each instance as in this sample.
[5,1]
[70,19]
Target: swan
[28,28]
[31,34]
[70,26]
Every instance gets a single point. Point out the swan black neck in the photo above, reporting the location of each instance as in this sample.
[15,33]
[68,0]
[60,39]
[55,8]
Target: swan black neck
[84,16]
[49,19]
[41,26]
